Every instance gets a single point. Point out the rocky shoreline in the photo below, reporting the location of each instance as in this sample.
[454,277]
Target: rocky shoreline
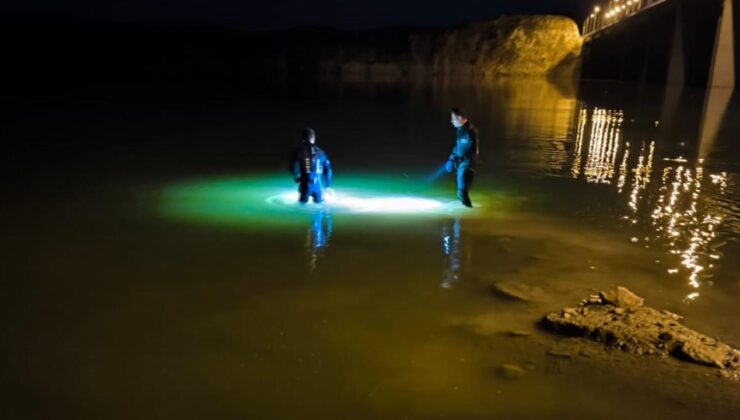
[619,320]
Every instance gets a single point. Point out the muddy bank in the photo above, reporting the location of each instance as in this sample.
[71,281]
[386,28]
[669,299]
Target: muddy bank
[618,319]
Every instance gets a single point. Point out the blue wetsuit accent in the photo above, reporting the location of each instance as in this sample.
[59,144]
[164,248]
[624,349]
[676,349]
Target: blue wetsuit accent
[463,156]
[311,169]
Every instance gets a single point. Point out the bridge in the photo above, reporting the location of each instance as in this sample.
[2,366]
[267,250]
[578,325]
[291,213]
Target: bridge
[674,42]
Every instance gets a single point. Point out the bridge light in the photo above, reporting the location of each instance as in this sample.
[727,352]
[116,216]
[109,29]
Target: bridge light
[597,9]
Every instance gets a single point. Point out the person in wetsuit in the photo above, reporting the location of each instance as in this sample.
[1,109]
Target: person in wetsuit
[311,169]
[464,154]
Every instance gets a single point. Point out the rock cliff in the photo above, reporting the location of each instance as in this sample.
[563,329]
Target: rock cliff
[507,46]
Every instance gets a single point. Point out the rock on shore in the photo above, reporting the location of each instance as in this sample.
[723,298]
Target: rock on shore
[618,319]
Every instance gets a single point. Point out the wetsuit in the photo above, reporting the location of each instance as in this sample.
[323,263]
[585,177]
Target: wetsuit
[311,169]
[463,158]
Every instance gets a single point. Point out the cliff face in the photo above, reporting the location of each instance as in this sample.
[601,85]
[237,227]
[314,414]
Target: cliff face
[508,46]
[528,45]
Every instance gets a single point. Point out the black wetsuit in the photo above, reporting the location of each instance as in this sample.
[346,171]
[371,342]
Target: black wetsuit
[462,159]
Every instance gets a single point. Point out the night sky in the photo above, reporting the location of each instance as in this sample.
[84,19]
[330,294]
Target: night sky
[284,14]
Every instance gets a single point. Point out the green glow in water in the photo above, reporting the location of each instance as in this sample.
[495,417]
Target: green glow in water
[270,200]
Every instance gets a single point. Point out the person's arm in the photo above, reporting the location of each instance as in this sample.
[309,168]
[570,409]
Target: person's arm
[453,153]
[295,167]
[327,171]
[452,159]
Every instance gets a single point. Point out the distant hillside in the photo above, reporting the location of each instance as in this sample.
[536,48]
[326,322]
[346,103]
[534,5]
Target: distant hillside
[68,55]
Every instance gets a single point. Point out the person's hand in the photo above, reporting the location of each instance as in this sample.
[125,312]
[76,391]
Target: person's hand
[329,192]
[297,179]
[449,166]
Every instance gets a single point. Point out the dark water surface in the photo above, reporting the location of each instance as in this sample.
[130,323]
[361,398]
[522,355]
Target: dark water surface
[146,273]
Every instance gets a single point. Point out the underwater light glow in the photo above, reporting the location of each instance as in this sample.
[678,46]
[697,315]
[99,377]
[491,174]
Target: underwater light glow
[270,201]
[367,204]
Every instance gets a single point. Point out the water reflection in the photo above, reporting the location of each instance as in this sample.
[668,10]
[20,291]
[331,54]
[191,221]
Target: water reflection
[537,117]
[451,251]
[317,237]
[537,110]
[678,215]
[641,174]
[606,126]
[600,157]
[582,120]
[679,219]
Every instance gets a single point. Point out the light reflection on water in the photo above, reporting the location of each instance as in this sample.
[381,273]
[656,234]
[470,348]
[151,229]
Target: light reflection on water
[689,230]
[317,237]
[451,233]
[677,215]
[604,145]
[538,116]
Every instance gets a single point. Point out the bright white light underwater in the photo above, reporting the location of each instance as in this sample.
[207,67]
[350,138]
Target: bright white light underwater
[364,203]
[268,201]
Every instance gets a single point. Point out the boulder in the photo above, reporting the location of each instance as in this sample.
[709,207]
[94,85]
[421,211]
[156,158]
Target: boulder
[621,297]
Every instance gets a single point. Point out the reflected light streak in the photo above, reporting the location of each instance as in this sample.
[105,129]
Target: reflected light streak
[582,120]
[451,251]
[677,212]
[642,174]
[603,145]
[623,168]
[677,217]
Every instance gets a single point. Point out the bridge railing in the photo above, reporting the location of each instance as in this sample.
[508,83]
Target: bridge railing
[613,11]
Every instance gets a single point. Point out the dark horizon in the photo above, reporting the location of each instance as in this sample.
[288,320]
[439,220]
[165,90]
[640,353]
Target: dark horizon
[280,15]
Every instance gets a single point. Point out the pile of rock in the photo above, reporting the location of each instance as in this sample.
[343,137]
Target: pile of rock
[618,319]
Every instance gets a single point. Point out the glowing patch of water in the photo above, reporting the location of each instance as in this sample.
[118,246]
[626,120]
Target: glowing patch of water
[359,203]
